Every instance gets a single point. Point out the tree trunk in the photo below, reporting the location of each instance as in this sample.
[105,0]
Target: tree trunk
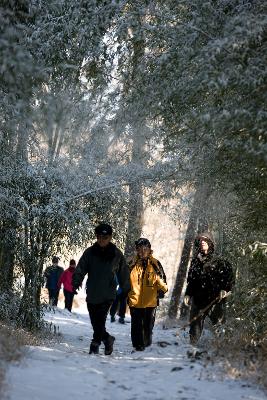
[135,218]
[30,305]
[136,207]
[7,256]
[185,257]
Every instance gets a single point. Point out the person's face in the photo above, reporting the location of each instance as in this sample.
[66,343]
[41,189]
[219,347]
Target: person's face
[103,240]
[204,246]
[143,252]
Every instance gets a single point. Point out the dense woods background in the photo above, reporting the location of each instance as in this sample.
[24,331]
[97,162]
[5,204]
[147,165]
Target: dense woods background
[108,107]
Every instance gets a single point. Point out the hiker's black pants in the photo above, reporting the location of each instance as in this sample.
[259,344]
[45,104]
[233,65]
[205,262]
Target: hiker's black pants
[98,315]
[68,299]
[216,314]
[142,323]
[119,303]
[53,296]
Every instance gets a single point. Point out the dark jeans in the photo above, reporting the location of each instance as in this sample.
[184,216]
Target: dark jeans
[98,315]
[119,303]
[142,323]
[216,314]
[68,299]
[53,296]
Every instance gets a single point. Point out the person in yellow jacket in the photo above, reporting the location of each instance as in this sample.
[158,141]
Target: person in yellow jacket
[148,284]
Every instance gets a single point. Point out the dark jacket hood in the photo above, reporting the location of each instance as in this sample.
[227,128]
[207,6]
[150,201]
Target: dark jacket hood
[208,236]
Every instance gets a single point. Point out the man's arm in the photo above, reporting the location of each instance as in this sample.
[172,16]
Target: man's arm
[161,272]
[123,275]
[46,272]
[80,271]
[60,271]
[161,285]
[60,280]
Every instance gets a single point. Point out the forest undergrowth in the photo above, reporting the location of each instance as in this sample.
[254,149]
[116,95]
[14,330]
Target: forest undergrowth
[12,345]
[241,360]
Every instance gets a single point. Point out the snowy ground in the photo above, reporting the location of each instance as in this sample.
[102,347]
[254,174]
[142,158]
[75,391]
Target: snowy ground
[65,371]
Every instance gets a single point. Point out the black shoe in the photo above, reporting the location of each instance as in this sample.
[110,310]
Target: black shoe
[109,345]
[94,348]
[140,348]
[121,320]
[112,318]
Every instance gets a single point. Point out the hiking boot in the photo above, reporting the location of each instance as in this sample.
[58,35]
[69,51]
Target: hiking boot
[109,345]
[194,334]
[112,318]
[148,341]
[121,320]
[94,348]
[193,340]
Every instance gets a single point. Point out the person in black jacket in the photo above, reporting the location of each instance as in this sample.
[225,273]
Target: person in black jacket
[209,281]
[105,265]
[52,275]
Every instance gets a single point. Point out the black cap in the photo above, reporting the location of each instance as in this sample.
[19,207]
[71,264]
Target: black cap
[103,229]
[55,259]
[142,242]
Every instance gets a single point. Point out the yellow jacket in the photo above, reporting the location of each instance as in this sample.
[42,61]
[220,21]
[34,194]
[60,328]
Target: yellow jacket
[145,283]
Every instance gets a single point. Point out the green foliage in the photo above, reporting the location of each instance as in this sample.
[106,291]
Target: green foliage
[249,313]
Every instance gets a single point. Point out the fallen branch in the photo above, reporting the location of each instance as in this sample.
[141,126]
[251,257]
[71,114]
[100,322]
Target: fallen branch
[202,312]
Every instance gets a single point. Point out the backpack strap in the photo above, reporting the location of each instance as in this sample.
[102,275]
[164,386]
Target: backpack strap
[158,269]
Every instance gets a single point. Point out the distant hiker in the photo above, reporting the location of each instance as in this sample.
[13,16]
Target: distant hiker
[102,262]
[66,280]
[52,275]
[148,283]
[118,306]
[209,281]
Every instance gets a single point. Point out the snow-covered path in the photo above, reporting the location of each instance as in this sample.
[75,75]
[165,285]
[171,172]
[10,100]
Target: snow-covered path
[66,371]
